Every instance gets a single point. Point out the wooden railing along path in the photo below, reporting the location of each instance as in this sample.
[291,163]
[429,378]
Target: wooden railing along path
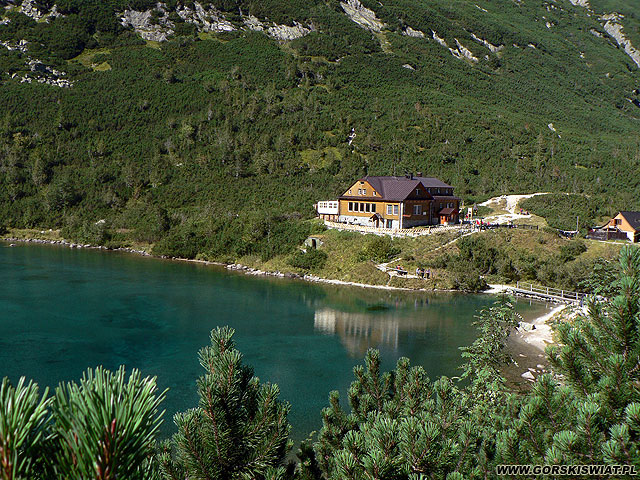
[404,232]
[547,293]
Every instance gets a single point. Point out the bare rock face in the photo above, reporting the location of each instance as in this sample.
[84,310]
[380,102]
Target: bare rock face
[363,16]
[253,23]
[614,28]
[410,32]
[581,3]
[285,32]
[143,24]
[279,32]
[39,72]
[461,52]
[207,20]
[30,9]
[491,47]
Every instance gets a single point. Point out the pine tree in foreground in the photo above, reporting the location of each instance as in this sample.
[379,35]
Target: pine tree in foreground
[590,412]
[102,429]
[403,426]
[23,429]
[106,426]
[239,429]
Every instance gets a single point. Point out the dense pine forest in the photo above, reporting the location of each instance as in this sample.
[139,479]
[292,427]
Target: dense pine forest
[217,143]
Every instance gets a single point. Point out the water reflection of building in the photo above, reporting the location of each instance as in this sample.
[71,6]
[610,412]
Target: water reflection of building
[359,332]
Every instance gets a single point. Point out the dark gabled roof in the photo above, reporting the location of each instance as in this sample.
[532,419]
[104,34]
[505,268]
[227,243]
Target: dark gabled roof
[399,188]
[446,211]
[430,182]
[633,218]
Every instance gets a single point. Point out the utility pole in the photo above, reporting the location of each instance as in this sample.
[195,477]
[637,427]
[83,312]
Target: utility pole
[577,224]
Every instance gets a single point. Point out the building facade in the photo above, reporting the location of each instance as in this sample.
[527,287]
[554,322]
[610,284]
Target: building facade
[626,222]
[394,203]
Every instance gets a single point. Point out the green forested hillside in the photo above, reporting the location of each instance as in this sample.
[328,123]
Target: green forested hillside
[219,142]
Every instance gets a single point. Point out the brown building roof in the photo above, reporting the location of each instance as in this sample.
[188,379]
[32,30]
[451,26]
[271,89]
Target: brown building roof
[633,218]
[397,189]
[446,211]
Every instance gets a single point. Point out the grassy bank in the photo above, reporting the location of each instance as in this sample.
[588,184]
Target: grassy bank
[455,262]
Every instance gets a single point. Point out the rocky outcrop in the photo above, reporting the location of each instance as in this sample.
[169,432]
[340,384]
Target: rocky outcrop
[614,28]
[207,20]
[438,39]
[21,45]
[490,46]
[146,26]
[461,52]
[410,32]
[363,16]
[581,3]
[279,32]
[612,23]
[285,32]
[39,72]
[30,9]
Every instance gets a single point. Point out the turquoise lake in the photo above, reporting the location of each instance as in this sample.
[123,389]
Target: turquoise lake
[64,310]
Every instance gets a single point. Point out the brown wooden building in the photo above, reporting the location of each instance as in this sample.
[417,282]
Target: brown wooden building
[624,223]
[394,202]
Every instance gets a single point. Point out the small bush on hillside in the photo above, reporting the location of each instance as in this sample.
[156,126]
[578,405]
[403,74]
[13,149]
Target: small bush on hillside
[572,250]
[561,210]
[380,249]
[311,260]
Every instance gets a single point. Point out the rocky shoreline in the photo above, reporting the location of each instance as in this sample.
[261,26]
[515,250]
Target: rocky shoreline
[232,267]
[65,243]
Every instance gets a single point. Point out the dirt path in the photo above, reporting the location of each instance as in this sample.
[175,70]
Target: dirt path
[510,204]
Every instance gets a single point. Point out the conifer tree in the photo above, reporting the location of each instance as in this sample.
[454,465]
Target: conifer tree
[589,412]
[239,429]
[24,426]
[105,426]
[401,426]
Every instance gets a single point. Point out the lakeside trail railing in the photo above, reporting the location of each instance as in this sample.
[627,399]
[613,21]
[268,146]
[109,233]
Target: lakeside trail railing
[548,293]
[427,230]
[404,232]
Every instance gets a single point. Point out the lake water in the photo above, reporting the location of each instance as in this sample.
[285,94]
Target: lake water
[64,310]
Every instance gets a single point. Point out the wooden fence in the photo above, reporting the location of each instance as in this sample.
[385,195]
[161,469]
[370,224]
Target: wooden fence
[604,235]
[404,232]
[554,294]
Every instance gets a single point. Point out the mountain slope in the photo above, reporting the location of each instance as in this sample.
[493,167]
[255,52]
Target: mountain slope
[218,140]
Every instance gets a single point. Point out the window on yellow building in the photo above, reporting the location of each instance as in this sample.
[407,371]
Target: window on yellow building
[389,209]
[395,209]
